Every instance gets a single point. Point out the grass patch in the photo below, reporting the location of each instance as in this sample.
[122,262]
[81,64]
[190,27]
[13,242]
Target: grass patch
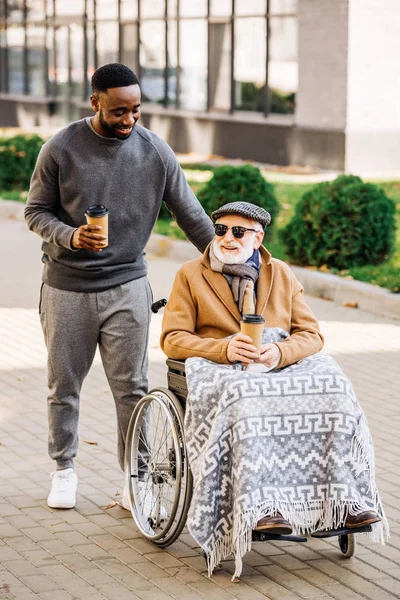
[16,195]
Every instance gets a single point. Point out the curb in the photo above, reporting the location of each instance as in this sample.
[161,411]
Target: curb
[355,294]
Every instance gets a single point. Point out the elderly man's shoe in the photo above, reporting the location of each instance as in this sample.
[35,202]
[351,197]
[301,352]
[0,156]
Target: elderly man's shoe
[362,519]
[277,525]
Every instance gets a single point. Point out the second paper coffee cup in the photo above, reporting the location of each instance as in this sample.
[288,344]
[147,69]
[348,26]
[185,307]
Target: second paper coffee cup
[253,325]
[98,215]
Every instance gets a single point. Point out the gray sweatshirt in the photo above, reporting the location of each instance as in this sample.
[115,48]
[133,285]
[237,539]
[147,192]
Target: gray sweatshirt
[77,168]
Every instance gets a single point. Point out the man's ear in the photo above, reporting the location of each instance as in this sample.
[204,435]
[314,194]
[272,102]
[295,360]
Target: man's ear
[258,239]
[95,103]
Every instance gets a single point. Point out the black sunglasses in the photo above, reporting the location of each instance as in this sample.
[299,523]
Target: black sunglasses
[237,231]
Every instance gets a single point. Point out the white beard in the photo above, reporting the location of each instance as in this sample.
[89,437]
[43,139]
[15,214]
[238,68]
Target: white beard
[233,259]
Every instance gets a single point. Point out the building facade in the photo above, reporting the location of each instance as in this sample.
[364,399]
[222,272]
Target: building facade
[281,81]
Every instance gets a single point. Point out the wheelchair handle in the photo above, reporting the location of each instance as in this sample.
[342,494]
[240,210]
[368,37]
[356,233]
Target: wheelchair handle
[156,306]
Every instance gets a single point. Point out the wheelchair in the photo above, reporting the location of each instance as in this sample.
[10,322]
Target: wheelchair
[158,471]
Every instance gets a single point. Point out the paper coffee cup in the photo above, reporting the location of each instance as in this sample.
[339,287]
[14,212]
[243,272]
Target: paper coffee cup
[253,325]
[98,215]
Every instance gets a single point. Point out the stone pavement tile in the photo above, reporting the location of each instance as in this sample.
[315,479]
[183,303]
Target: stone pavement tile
[75,561]
[148,570]
[365,569]
[143,546]
[38,534]
[21,543]
[7,530]
[270,588]
[55,526]
[253,559]
[290,581]
[288,562]
[197,563]
[122,532]
[87,528]
[211,590]
[8,554]
[164,560]
[115,591]
[340,592]
[7,509]
[39,558]
[22,501]
[112,566]
[180,549]
[391,585]
[178,590]
[91,551]
[301,552]
[56,595]
[73,538]
[107,541]
[266,549]
[20,567]
[56,547]
[314,577]
[19,592]
[95,576]
[379,562]
[39,583]
[127,555]
[20,521]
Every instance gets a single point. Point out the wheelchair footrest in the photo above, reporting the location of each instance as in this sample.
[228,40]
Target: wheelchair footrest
[263,536]
[341,531]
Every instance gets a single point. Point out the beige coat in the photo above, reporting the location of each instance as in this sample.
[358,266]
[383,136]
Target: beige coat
[201,312]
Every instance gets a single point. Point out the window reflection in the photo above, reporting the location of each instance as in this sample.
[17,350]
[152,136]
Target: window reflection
[61,58]
[70,8]
[172,61]
[129,9]
[283,77]
[220,66]
[107,42]
[35,10]
[193,64]
[250,59]
[250,7]
[193,8]
[172,7]
[15,12]
[152,8]
[77,67]
[106,9]
[152,60]
[36,60]
[129,46]
[221,8]
[282,7]
[15,41]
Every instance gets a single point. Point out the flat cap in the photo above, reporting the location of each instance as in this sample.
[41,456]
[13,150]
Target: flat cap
[244,209]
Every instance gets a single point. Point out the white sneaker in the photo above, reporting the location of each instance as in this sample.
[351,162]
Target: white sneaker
[148,501]
[63,489]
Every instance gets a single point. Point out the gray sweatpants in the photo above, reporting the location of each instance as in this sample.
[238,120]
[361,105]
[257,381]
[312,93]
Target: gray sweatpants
[73,324]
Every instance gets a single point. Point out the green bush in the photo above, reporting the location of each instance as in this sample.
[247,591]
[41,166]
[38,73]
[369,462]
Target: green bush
[239,184]
[17,160]
[341,224]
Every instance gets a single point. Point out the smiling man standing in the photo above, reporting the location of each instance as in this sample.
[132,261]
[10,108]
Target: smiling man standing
[94,294]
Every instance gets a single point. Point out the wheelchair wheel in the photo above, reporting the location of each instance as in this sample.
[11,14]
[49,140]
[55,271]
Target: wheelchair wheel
[347,544]
[160,481]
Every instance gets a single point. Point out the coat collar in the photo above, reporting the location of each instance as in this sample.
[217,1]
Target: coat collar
[222,289]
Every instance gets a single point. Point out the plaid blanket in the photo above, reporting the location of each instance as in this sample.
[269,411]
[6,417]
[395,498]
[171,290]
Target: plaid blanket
[293,440]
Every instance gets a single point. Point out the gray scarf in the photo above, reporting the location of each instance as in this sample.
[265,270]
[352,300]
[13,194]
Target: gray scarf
[241,278]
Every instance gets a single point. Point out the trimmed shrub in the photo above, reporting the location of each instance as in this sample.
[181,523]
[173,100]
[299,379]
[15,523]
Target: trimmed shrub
[239,184]
[341,224]
[18,156]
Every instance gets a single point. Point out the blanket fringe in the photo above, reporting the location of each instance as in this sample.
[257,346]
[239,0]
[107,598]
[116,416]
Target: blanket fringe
[305,518]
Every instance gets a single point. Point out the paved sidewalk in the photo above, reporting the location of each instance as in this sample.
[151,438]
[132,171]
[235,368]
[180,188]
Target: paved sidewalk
[94,551]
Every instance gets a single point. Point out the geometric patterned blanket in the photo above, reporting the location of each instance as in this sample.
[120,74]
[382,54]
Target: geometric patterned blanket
[293,440]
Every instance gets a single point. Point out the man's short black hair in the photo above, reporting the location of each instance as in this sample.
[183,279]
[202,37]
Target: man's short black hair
[111,76]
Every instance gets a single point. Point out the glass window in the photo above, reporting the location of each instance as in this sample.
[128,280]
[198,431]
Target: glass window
[284,7]
[152,8]
[129,33]
[193,64]
[172,7]
[15,11]
[107,42]
[15,42]
[220,8]
[50,57]
[36,10]
[91,53]
[49,8]
[90,9]
[74,8]
[283,71]
[152,60]
[77,66]
[193,8]
[36,60]
[129,10]
[61,71]
[172,61]
[220,66]
[250,63]
[106,9]
[250,7]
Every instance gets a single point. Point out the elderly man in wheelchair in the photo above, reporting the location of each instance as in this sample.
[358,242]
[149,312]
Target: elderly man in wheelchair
[275,439]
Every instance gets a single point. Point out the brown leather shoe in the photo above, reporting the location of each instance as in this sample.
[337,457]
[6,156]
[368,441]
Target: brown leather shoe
[276,524]
[362,519]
